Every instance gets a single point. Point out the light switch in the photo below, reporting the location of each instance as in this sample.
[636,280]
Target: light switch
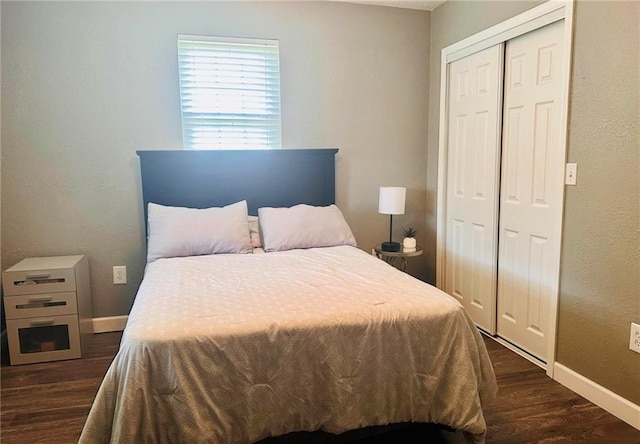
[570,174]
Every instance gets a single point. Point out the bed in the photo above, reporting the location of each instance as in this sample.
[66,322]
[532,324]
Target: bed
[288,336]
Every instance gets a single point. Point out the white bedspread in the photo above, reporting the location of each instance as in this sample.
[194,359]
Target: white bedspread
[235,348]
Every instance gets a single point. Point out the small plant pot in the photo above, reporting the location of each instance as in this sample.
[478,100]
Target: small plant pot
[409,243]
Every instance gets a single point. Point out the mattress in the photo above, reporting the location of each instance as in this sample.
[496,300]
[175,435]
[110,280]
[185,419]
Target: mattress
[235,348]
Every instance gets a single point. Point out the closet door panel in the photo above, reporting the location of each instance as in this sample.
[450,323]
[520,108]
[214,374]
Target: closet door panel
[474,101]
[531,187]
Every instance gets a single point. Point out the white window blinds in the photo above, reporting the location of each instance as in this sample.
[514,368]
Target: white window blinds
[229,93]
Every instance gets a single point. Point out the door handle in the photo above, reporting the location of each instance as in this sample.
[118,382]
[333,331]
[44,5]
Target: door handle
[42,322]
[41,299]
[38,276]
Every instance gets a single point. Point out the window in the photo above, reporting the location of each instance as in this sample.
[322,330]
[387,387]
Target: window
[229,93]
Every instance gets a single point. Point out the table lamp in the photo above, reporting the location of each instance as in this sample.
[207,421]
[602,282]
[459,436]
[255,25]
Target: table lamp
[391,201]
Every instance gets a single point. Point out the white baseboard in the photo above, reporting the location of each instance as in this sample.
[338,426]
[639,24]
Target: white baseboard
[110,323]
[599,395]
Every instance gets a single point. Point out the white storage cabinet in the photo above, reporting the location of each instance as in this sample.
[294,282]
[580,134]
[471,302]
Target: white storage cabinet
[47,304]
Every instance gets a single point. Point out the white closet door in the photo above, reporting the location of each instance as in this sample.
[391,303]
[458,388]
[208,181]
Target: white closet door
[531,188]
[474,102]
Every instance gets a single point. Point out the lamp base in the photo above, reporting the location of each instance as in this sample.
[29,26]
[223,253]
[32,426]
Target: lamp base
[390,246]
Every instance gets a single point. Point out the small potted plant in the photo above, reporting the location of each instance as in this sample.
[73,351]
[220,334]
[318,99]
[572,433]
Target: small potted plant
[409,241]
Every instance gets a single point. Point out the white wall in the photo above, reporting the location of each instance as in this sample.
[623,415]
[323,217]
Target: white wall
[86,84]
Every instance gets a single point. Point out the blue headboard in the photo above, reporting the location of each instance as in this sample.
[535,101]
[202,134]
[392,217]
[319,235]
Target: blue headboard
[264,178]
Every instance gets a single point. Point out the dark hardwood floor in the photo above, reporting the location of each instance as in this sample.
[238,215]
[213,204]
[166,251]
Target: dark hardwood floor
[48,403]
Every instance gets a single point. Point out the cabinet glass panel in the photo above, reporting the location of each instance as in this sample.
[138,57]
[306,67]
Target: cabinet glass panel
[44,338]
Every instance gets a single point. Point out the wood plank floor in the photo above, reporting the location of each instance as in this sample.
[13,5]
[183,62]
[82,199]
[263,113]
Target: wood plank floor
[48,403]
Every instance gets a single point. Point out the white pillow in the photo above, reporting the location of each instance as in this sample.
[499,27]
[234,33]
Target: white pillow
[303,226]
[180,231]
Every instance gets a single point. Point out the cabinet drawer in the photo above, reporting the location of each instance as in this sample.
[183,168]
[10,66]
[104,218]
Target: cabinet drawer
[38,281]
[43,339]
[48,304]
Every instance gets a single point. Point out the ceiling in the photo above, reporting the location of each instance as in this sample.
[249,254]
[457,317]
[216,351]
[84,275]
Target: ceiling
[425,5]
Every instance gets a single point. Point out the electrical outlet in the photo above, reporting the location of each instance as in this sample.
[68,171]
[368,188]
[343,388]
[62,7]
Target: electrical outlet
[119,274]
[634,341]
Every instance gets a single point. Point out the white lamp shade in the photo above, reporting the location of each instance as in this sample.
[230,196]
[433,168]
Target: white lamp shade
[391,200]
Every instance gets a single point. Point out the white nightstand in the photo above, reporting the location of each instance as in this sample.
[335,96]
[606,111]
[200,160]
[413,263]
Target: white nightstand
[47,304]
